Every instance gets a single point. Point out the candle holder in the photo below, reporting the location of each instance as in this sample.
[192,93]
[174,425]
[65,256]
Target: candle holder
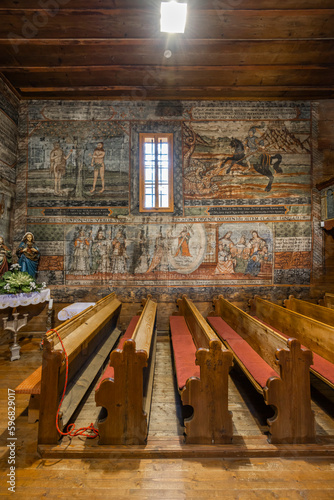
[14,326]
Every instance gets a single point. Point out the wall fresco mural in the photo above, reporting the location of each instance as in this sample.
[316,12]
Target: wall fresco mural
[243,213]
[246,159]
[78,165]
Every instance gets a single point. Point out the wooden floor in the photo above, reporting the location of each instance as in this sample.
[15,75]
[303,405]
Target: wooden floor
[155,473]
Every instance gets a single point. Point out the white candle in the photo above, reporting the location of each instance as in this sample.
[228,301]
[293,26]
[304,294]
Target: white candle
[50,303]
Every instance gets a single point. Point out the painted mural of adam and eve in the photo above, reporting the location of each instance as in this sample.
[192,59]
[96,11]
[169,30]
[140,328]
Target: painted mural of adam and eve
[58,161]
[247,254]
[220,159]
[79,160]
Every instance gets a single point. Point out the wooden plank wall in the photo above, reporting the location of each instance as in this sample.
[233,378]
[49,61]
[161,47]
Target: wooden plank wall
[325,281]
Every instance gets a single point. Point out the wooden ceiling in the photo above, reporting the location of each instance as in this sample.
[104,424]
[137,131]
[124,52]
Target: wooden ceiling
[233,49]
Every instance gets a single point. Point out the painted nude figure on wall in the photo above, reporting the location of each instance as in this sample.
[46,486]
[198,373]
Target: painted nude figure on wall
[98,165]
[28,254]
[5,257]
[58,165]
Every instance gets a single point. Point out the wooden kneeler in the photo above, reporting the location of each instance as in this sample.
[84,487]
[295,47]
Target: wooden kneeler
[126,394]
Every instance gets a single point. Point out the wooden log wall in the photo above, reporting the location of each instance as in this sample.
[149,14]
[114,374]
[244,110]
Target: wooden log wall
[323,171]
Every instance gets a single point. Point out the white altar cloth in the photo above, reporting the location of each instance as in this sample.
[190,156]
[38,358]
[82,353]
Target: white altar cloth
[24,299]
[70,311]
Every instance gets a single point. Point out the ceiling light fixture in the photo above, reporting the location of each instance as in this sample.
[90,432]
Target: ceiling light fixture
[173,17]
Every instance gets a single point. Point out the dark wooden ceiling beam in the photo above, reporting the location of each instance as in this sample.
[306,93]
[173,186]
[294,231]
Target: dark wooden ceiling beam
[172,79]
[193,4]
[218,93]
[129,88]
[197,52]
[167,68]
[140,23]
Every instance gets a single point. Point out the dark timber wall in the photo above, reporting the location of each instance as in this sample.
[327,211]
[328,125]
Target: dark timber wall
[9,116]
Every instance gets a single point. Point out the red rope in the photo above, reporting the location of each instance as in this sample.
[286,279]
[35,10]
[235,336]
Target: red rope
[71,431]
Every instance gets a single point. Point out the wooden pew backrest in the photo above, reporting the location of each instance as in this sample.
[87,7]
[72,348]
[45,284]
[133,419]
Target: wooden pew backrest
[314,311]
[316,336]
[329,300]
[202,333]
[262,339]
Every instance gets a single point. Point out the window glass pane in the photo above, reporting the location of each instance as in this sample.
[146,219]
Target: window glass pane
[149,174]
[149,196]
[163,196]
[163,175]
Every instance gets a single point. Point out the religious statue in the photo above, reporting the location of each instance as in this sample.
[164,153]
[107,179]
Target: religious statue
[28,254]
[5,257]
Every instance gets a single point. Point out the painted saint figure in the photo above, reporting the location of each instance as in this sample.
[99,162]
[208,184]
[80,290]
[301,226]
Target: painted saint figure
[98,165]
[160,258]
[256,242]
[5,257]
[183,243]
[226,241]
[100,253]
[119,255]
[81,254]
[141,264]
[58,165]
[28,254]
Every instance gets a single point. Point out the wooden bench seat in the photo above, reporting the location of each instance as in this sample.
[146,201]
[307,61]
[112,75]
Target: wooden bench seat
[184,351]
[250,359]
[125,388]
[278,368]
[201,366]
[316,336]
[88,339]
[32,385]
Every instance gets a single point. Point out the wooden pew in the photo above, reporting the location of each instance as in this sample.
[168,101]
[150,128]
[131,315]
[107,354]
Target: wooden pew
[278,369]
[32,384]
[88,339]
[202,367]
[125,390]
[329,300]
[315,335]
[314,311]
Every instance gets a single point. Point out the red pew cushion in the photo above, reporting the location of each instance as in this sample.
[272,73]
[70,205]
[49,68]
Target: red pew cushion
[184,351]
[257,367]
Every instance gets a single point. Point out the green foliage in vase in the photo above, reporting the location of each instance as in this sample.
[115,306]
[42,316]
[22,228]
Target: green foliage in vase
[16,281]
